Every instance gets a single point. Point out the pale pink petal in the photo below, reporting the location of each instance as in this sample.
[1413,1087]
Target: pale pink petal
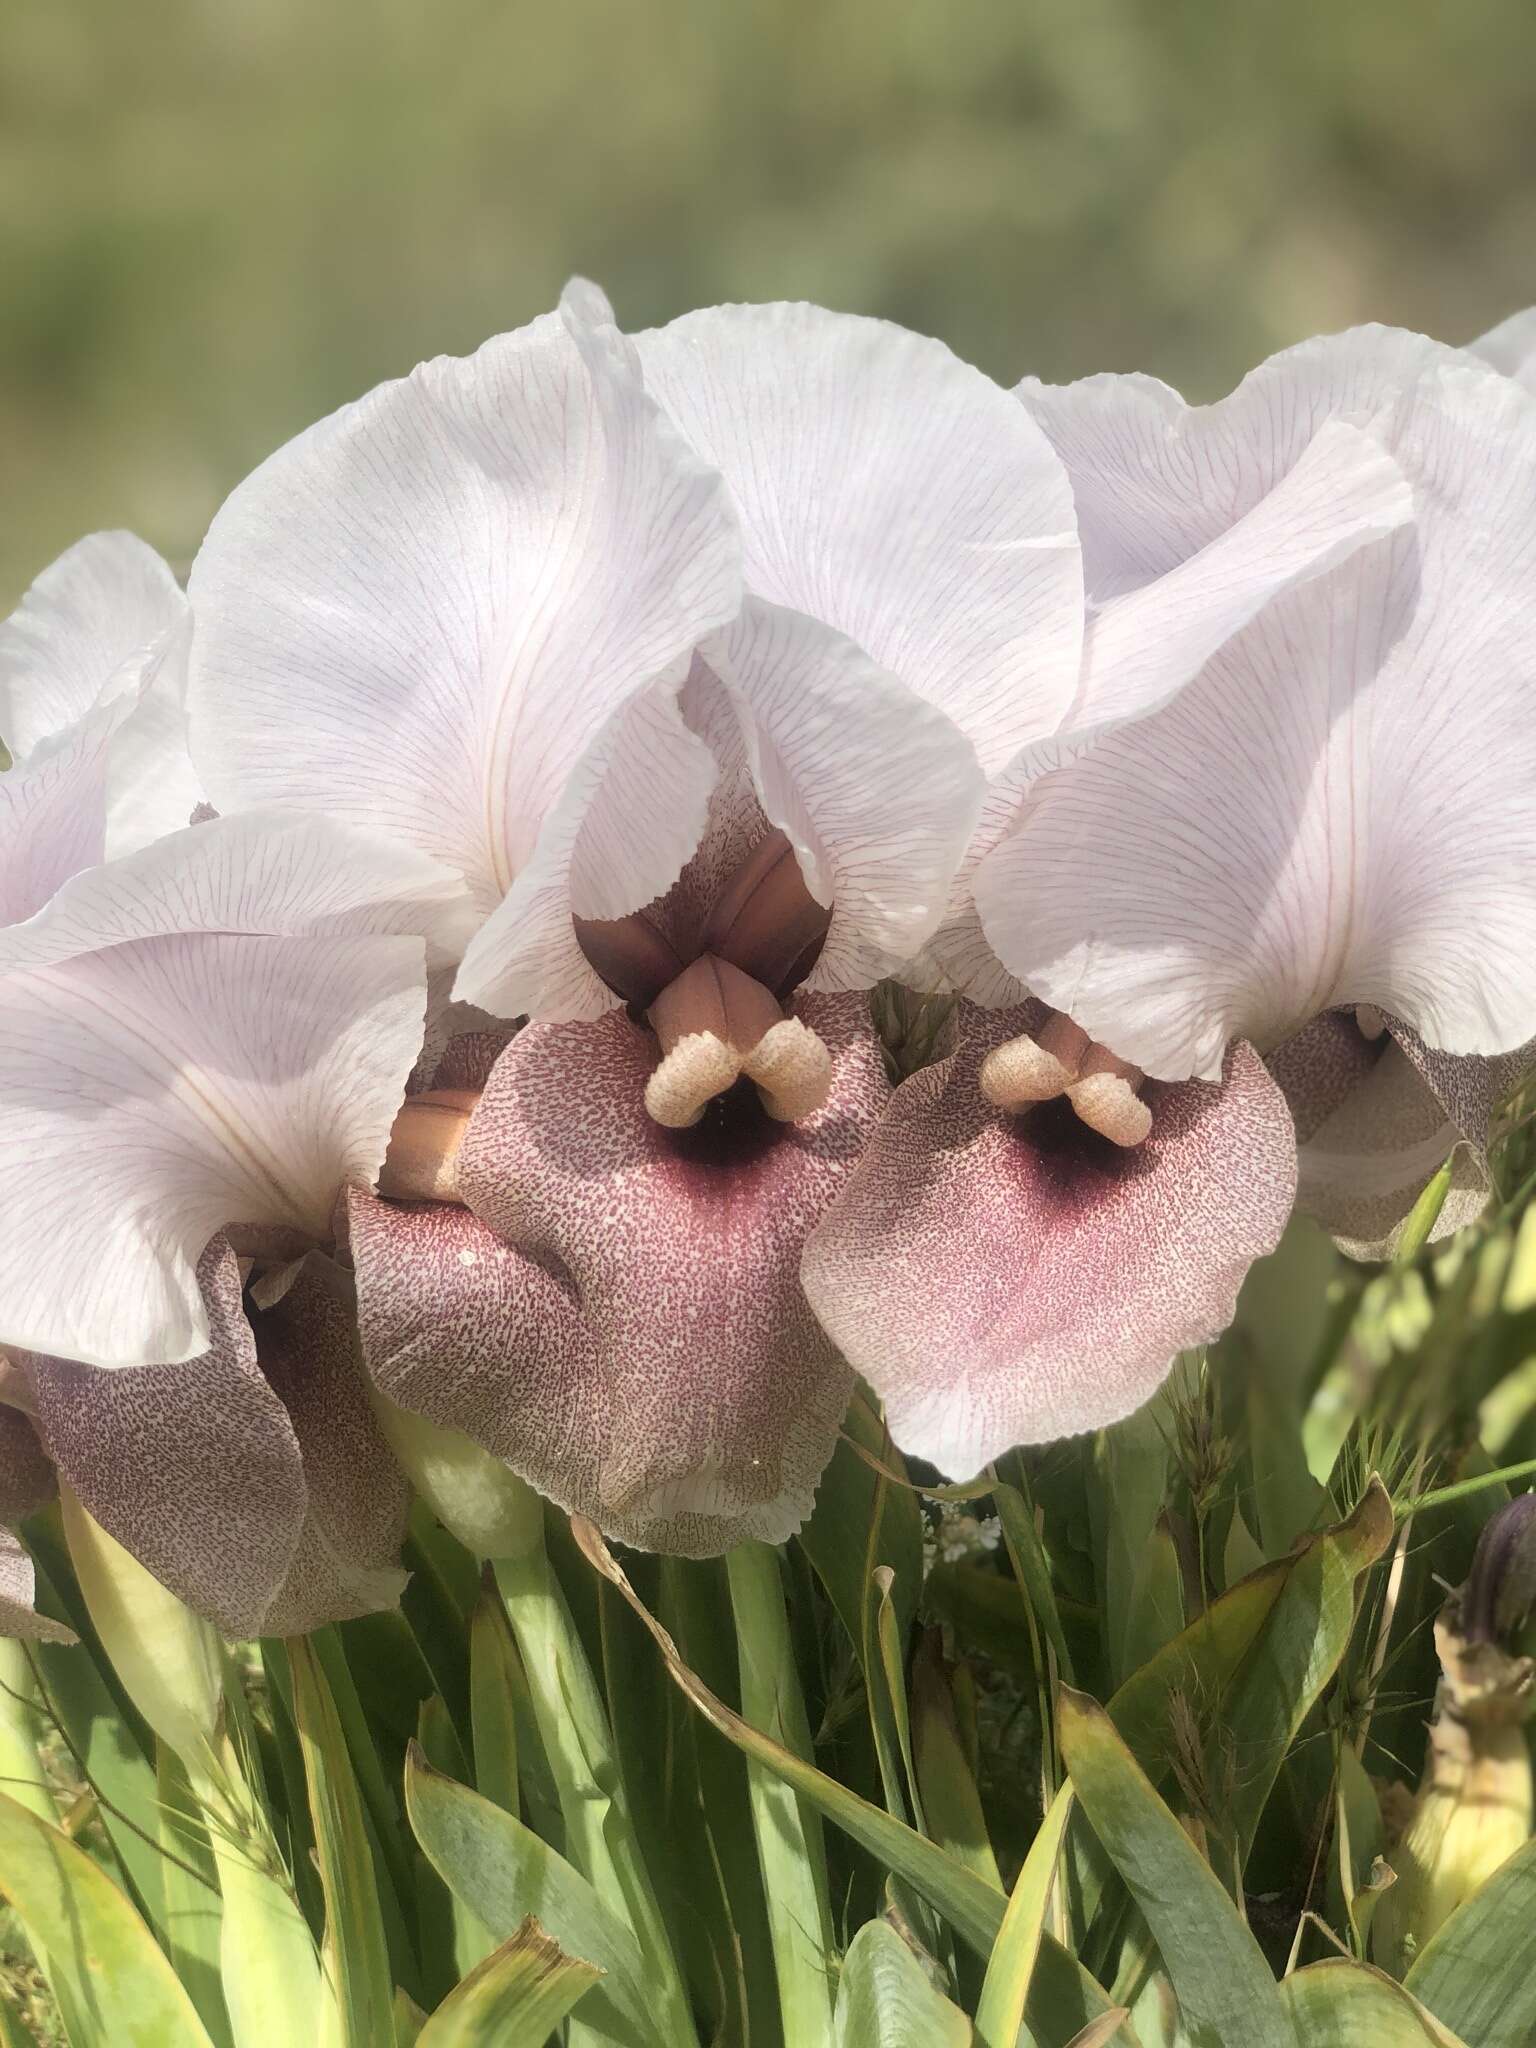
[427,615]
[1338,810]
[621,1318]
[268,873]
[97,623]
[252,1481]
[877,791]
[153,1093]
[999,1280]
[1511,347]
[891,492]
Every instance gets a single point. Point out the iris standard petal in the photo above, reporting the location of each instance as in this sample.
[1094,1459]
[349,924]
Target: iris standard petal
[894,494]
[153,1093]
[425,615]
[1337,811]
[94,625]
[1002,1280]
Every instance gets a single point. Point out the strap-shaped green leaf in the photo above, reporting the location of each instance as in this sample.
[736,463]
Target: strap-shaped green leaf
[503,1872]
[886,2001]
[1476,1974]
[1225,1990]
[114,1987]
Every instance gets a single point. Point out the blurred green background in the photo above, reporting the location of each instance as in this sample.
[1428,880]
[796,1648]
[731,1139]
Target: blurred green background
[220,218]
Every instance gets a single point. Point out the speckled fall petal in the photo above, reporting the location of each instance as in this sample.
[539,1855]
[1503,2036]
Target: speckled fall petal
[620,1318]
[26,1484]
[1376,1121]
[253,1482]
[1003,1280]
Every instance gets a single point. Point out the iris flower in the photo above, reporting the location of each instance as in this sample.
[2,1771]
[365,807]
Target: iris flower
[204,1037]
[1321,849]
[685,653]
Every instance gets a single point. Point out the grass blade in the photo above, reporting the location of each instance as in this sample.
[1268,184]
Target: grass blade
[789,1845]
[356,1955]
[1005,1990]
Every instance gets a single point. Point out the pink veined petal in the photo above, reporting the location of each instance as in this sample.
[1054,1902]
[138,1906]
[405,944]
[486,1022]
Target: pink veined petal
[1002,1281]
[1337,811]
[252,1481]
[877,791]
[154,1093]
[428,614]
[894,494]
[95,623]
[1511,347]
[621,1318]
[1193,521]
[265,873]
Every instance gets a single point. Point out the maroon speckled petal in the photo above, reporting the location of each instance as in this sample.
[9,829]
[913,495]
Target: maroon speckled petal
[347,1560]
[26,1476]
[1377,1121]
[624,1324]
[1001,1281]
[200,1469]
[26,1484]
[18,1617]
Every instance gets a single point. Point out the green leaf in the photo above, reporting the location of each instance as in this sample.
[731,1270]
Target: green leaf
[1031,1566]
[971,1906]
[355,1951]
[1340,2004]
[601,1837]
[193,1910]
[114,1987]
[864,1518]
[504,1873]
[1225,1990]
[1129,1484]
[1155,1611]
[1107,2027]
[952,1811]
[521,1992]
[494,1682]
[884,1999]
[789,1841]
[1004,1993]
[1298,1653]
[1476,1973]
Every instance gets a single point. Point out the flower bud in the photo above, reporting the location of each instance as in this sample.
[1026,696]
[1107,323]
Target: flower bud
[168,1658]
[473,1494]
[1474,1805]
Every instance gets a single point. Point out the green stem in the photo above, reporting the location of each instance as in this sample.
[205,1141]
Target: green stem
[1443,1495]
[601,1839]
[789,1836]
